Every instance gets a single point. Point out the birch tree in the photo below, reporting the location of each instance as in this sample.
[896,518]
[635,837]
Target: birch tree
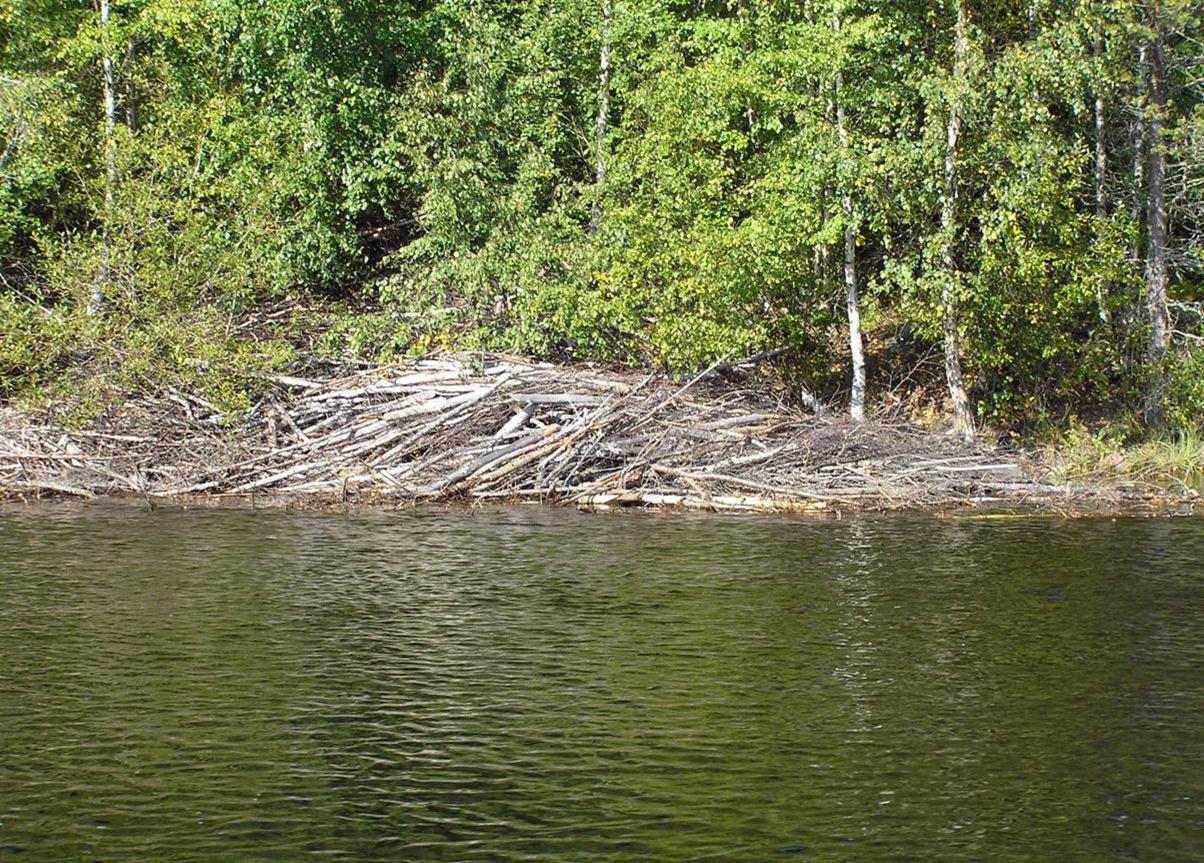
[600,121]
[109,98]
[853,312]
[962,417]
[1156,212]
[1100,165]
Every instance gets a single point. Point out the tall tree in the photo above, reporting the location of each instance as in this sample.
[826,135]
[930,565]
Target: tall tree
[852,307]
[109,97]
[1101,158]
[963,419]
[602,116]
[1156,213]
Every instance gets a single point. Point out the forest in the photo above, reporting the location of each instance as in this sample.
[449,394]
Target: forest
[993,212]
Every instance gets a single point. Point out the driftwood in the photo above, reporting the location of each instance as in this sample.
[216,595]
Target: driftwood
[441,429]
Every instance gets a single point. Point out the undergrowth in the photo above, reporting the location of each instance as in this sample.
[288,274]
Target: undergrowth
[1165,457]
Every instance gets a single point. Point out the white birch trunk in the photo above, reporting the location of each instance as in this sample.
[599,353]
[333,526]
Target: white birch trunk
[131,100]
[1138,142]
[1156,217]
[962,419]
[602,118]
[856,348]
[108,87]
[1101,169]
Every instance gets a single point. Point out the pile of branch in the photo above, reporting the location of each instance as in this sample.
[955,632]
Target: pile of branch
[501,428]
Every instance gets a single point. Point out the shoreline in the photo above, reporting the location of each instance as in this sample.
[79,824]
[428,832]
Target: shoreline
[1069,509]
[486,430]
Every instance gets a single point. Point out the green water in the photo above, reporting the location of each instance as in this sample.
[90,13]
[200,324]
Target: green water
[536,685]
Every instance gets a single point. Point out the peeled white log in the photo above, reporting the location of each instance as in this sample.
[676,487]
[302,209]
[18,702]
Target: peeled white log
[520,418]
[558,399]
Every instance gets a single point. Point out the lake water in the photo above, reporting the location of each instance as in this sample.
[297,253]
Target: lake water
[544,685]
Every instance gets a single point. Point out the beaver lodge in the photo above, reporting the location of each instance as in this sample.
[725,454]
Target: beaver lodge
[502,429]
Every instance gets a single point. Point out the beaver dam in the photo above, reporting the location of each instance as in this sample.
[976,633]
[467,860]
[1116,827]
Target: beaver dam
[503,429]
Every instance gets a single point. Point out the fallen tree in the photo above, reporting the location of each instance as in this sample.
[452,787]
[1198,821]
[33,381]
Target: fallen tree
[500,428]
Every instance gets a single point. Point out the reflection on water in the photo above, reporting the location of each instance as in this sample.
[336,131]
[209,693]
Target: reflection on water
[535,685]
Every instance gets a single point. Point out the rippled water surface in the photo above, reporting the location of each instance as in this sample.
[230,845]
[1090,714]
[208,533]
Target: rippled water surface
[535,685]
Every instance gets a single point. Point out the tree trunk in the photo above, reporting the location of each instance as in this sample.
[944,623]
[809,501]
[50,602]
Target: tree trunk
[1101,168]
[602,118]
[1156,217]
[108,89]
[856,350]
[1138,144]
[962,418]
[857,394]
[131,97]
[819,252]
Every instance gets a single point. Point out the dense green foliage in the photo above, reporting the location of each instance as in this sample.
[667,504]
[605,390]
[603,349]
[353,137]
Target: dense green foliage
[473,174]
